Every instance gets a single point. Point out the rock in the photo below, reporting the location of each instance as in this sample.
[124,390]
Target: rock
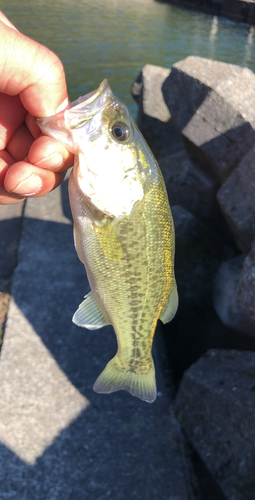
[215,405]
[199,252]
[154,119]
[59,439]
[225,296]
[148,88]
[236,200]
[238,10]
[189,186]
[213,105]
[246,289]
[10,228]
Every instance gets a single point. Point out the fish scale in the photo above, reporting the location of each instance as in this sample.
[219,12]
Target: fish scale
[124,236]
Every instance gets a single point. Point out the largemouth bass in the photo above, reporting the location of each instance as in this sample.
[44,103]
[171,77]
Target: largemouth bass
[123,234]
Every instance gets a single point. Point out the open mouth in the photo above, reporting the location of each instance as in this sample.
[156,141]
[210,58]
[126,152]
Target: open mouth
[81,111]
[84,108]
[92,96]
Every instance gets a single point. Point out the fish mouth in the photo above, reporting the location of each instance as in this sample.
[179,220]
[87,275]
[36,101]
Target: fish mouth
[81,111]
[84,108]
[92,96]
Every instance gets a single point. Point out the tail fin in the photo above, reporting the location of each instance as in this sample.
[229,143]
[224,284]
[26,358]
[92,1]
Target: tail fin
[141,385]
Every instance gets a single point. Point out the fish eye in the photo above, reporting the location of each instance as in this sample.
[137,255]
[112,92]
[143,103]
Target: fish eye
[120,131]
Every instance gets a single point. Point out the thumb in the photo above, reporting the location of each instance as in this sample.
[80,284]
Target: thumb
[32,71]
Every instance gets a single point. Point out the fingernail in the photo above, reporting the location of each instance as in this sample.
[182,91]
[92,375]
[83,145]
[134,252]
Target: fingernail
[52,161]
[63,105]
[28,187]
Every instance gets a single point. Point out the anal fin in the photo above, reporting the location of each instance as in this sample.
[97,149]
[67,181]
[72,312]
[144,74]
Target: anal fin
[77,242]
[171,306]
[88,315]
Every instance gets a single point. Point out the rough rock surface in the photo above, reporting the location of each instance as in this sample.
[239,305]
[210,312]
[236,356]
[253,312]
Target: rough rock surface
[216,405]
[189,186]
[246,289]
[237,201]
[239,10]
[148,87]
[154,118]
[199,252]
[59,439]
[212,104]
[10,228]
[225,296]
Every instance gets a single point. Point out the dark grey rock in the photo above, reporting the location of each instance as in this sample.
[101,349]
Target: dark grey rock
[148,87]
[236,200]
[189,186]
[199,252]
[225,296]
[215,406]
[59,439]
[246,289]
[212,104]
[238,10]
[10,228]
[153,118]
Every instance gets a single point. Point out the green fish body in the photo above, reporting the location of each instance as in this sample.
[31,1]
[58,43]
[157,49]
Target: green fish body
[123,232]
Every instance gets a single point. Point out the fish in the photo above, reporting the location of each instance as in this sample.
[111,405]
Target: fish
[123,234]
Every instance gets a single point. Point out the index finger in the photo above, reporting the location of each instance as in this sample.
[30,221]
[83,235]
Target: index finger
[32,71]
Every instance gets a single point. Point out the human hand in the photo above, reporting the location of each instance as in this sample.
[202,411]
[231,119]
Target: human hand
[32,84]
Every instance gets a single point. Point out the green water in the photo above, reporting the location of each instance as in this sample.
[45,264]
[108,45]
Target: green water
[114,39]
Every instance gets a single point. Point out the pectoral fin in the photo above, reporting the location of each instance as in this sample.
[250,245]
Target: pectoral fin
[88,315]
[77,242]
[171,306]
[109,241]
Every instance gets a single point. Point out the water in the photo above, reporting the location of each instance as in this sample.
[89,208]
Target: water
[97,39]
